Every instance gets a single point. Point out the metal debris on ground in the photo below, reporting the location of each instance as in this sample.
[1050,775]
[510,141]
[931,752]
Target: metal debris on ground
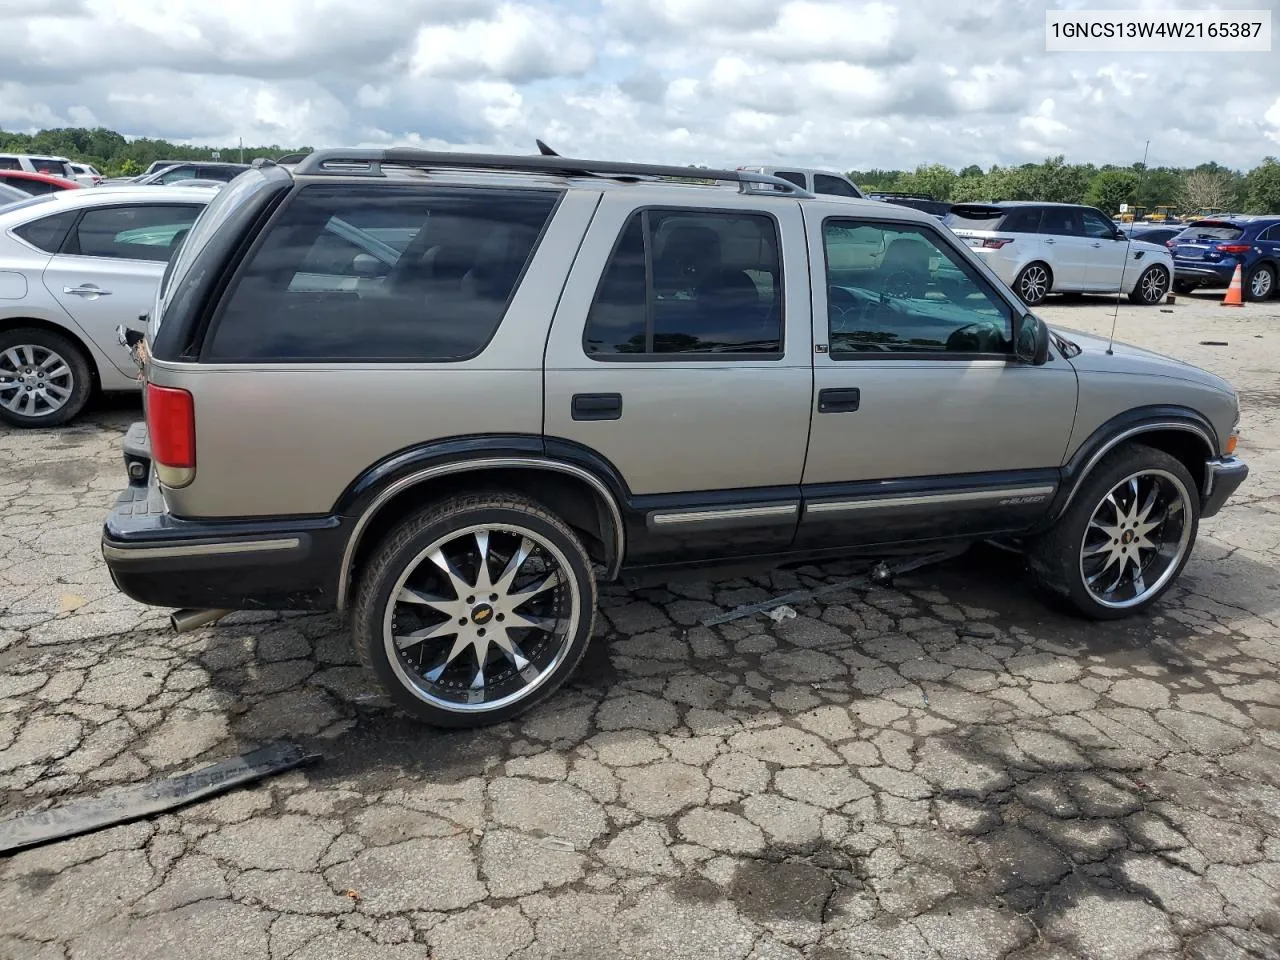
[880,575]
[1214,343]
[778,614]
[123,805]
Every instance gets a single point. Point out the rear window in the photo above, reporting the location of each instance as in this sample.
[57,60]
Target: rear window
[1209,230]
[834,186]
[964,217]
[381,273]
[54,168]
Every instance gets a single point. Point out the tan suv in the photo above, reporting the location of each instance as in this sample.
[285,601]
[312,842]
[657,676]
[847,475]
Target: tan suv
[448,393]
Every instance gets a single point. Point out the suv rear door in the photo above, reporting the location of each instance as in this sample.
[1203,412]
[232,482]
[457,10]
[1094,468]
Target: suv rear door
[1065,247]
[680,354]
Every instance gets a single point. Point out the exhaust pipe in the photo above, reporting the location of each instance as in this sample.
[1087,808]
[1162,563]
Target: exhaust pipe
[184,621]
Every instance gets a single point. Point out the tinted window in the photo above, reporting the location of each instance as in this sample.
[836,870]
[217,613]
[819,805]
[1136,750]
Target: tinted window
[225,174]
[689,283]
[899,289]
[835,186]
[1209,230]
[975,218]
[1061,222]
[1021,220]
[1272,235]
[790,177]
[1097,226]
[10,163]
[131,233]
[176,174]
[35,188]
[47,233]
[54,168]
[324,283]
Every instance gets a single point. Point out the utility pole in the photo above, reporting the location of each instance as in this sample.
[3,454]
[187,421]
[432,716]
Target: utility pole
[242,149]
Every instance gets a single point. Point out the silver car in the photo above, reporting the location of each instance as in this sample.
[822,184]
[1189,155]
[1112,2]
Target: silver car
[74,265]
[446,394]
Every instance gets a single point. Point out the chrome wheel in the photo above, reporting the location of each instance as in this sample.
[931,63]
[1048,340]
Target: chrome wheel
[34,380]
[481,618]
[1153,285]
[1033,285]
[1136,539]
[1261,283]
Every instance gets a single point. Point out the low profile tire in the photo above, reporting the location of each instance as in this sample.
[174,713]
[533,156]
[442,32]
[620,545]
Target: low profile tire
[1151,287]
[1261,283]
[1184,288]
[1033,283]
[475,609]
[1125,538]
[44,378]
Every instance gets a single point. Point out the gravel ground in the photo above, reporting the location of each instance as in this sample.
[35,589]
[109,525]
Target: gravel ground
[945,769]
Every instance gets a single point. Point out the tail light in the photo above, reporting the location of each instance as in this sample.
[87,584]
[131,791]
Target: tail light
[1234,248]
[171,425]
[995,243]
[1171,244]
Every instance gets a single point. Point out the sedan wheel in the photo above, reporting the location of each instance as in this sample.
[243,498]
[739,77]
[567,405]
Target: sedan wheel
[478,609]
[44,379]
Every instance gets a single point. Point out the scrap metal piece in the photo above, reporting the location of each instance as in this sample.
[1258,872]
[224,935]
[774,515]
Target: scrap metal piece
[135,802]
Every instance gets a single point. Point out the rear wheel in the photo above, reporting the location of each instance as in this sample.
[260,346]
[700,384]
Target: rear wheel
[1261,284]
[475,609]
[1151,286]
[1033,283]
[1125,538]
[44,378]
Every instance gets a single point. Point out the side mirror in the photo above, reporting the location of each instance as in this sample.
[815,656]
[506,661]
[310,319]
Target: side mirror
[1032,342]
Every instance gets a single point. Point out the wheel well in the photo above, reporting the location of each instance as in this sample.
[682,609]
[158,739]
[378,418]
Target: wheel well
[567,496]
[1185,447]
[18,323]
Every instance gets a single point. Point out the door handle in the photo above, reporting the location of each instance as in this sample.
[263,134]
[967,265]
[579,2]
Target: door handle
[1050,240]
[1098,244]
[597,406]
[839,401]
[87,290]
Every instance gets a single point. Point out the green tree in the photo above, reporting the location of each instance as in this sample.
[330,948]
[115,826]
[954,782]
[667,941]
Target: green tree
[933,180]
[969,187]
[1110,188]
[973,170]
[1262,187]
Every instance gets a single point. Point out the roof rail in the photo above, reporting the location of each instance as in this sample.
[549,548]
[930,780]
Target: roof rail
[369,163]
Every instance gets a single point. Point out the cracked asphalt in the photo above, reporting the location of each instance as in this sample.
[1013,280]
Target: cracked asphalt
[944,770]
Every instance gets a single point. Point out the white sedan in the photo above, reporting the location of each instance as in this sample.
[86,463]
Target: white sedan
[74,265]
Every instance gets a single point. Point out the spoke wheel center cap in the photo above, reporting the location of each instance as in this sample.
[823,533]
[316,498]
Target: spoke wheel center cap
[481,614]
[1127,537]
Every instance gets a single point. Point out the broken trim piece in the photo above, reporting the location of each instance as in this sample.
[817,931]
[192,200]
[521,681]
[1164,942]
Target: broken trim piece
[126,804]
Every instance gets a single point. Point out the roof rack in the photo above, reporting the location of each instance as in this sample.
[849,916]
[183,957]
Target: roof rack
[369,163]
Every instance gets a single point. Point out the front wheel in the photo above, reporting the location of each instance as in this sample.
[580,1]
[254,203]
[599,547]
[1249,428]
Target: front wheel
[1151,287]
[475,609]
[1125,538]
[1033,283]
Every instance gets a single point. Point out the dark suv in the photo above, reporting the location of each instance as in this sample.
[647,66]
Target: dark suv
[449,393]
[1207,252]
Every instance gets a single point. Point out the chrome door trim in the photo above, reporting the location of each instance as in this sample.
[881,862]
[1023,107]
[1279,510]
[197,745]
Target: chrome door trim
[827,507]
[716,517]
[445,469]
[169,550]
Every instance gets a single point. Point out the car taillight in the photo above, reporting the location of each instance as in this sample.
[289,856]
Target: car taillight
[1171,244]
[995,243]
[171,426]
[1236,248]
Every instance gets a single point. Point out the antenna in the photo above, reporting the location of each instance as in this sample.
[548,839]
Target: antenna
[1128,244]
[545,150]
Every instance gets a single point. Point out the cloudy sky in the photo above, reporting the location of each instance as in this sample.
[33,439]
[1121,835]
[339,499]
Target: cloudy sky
[845,83]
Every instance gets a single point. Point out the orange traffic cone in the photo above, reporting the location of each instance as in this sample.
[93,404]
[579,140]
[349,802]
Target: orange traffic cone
[1235,292]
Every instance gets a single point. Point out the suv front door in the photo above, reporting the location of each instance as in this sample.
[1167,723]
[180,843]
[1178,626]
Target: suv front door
[680,354]
[918,397]
[1107,252]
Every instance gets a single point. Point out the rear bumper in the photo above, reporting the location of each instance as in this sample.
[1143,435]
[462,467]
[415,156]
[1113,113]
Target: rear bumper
[1222,478]
[261,564]
[1204,273]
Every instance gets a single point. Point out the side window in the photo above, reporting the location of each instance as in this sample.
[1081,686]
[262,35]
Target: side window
[36,188]
[1272,235]
[834,186]
[10,163]
[1022,220]
[47,233]
[1061,222]
[180,173]
[684,283]
[791,177]
[381,273]
[131,233]
[898,289]
[1097,226]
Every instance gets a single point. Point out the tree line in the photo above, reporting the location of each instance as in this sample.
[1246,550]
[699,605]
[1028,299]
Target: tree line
[1210,186]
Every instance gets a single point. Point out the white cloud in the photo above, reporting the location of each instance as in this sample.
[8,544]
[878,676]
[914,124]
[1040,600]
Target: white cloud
[846,83]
